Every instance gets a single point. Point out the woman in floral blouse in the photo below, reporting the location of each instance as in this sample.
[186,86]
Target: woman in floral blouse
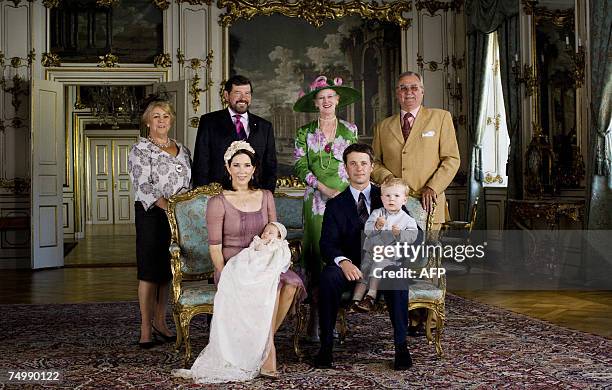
[159,167]
[318,162]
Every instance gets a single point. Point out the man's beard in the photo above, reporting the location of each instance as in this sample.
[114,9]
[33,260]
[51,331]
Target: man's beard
[238,110]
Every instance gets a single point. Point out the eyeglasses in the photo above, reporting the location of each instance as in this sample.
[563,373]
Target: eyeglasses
[330,96]
[406,88]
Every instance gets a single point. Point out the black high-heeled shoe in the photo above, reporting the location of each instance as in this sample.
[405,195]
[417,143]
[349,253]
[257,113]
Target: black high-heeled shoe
[167,339]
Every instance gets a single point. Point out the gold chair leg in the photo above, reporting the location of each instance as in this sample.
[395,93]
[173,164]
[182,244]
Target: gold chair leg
[300,321]
[343,327]
[185,320]
[179,331]
[428,324]
[439,330]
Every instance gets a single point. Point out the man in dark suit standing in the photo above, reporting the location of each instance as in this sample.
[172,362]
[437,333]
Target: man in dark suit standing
[340,245]
[218,129]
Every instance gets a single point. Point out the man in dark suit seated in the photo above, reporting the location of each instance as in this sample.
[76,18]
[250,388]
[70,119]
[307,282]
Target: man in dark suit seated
[340,244]
[218,129]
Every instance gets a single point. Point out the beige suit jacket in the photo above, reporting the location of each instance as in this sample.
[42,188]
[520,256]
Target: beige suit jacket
[429,157]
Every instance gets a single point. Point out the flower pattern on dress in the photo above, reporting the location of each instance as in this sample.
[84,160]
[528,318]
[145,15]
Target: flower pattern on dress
[342,173]
[298,153]
[318,204]
[316,141]
[311,180]
[155,173]
[308,192]
[338,147]
[351,126]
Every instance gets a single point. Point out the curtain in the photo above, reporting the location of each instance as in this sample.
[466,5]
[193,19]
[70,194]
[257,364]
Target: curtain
[509,45]
[600,204]
[483,17]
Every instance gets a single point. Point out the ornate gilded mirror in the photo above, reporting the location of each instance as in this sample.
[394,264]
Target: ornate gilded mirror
[558,58]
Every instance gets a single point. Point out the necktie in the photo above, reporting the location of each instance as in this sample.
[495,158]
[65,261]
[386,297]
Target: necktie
[362,209]
[406,126]
[239,128]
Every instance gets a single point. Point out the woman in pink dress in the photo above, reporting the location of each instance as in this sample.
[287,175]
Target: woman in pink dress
[234,217]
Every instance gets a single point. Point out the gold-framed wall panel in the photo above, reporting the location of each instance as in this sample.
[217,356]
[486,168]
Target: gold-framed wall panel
[397,11]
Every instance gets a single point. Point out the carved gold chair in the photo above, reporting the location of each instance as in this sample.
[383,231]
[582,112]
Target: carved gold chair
[191,264]
[427,293]
[430,292]
[192,267]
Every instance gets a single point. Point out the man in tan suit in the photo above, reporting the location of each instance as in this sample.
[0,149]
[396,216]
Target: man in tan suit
[418,145]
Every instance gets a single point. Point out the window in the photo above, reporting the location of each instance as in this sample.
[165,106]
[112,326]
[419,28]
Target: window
[494,134]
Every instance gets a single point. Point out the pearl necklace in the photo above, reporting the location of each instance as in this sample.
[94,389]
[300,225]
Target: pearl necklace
[327,145]
[161,146]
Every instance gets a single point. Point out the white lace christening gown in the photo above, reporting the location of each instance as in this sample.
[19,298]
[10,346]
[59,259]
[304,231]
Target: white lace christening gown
[242,321]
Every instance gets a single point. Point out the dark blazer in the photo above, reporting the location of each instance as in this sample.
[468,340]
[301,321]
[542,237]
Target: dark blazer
[215,134]
[341,231]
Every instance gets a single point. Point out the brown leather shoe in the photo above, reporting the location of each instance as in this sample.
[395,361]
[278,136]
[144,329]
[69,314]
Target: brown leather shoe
[366,304]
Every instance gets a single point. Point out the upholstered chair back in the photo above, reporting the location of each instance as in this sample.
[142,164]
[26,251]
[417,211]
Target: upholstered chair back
[289,211]
[187,216]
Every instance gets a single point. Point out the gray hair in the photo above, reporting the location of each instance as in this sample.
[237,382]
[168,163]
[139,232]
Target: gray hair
[411,73]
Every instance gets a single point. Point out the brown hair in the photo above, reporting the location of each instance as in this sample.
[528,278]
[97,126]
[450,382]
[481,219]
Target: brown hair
[253,183]
[395,181]
[359,148]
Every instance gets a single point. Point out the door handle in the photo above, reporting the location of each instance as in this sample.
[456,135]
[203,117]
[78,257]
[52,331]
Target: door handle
[115,185]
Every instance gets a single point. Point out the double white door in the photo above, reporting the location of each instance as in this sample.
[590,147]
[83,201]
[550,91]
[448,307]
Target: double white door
[112,198]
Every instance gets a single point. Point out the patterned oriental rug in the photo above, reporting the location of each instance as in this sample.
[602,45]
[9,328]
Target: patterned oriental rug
[94,346]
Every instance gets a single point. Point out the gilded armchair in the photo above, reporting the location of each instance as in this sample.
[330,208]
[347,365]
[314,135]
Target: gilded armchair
[427,293]
[191,263]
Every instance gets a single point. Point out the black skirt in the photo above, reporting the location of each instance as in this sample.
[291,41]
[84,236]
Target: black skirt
[152,241]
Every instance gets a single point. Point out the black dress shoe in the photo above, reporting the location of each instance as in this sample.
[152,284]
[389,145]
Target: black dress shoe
[167,339]
[416,331]
[324,357]
[403,360]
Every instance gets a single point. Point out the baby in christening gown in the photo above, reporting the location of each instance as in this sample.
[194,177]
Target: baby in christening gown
[244,304]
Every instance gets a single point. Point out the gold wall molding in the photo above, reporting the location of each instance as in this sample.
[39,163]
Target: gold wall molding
[108,61]
[316,11]
[51,3]
[195,2]
[490,179]
[290,182]
[50,59]
[194,122]
[434,6]
[197,64]
[162,60]
[529,6]
[561,18]
[161,4]
[18,185]
[107,3]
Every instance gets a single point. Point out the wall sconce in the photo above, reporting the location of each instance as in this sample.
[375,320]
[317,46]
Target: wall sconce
[525,76]
[455,91]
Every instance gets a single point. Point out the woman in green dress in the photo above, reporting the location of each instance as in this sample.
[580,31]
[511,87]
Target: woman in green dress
[318,162]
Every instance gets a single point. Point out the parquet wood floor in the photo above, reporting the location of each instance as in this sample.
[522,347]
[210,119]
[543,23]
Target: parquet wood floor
[102,269]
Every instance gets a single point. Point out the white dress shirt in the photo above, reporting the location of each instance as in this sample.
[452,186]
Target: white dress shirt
[244,118]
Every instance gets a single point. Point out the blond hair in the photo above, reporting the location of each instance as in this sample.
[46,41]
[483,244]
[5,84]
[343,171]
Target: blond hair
[164,105]
[395,181]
